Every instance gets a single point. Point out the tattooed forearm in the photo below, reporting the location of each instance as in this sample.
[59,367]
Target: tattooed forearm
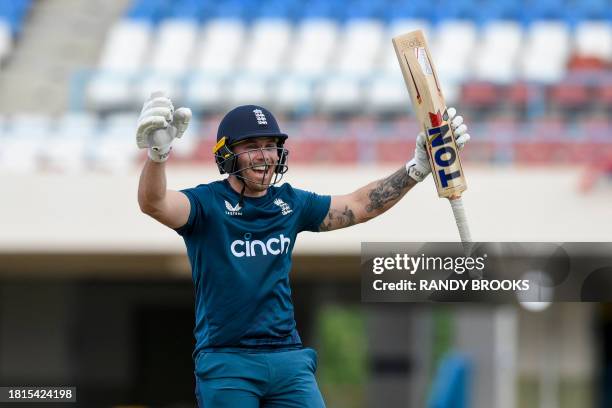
[367,202]
[390,189]
[338,219]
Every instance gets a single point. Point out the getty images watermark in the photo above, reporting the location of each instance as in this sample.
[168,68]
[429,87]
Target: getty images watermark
[486,272]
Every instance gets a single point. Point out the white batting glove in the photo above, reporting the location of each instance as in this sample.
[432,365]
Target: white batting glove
[159,124]
[418,168]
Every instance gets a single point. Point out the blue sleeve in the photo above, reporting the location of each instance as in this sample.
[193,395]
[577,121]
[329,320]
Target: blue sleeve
[314,209]
[197,212]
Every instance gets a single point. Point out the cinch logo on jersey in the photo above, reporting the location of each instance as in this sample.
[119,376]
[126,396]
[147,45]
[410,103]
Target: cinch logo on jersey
[440,138]
[285,209]
[261,118]
[249,248]
[232,209]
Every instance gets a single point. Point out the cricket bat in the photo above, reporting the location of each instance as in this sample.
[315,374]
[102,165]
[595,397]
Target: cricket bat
[428,102]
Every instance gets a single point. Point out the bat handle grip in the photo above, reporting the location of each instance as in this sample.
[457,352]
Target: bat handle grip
[461,220]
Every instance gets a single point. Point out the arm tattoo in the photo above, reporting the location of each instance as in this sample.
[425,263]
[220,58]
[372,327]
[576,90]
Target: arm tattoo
[338,219]
[389,189]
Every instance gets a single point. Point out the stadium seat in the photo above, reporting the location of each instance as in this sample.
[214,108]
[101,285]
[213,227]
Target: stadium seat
[24,137]
[569,97]
[596,129]
[245,89]
[490,12]
[603,96]
[148,11]
[362,128]
[396,139]
[149,82]
[305,142]
[546,52]
[122,58]
[453,44]
[591,10]
[67,146]
[293,94]
[314,44]
[319,9]
[480,96]
[204,92]
[551,128]
[578,63]
[232,9]
[109,91]
[543,142]
[173,46]
[522,96]
[276,9]
[455,10]
[193,11]
[398,26]
[458,36]
[340,95]
[496,57]
[359,47]
[363,10]
[266,47]
[328,57]
[544,10]
[502,129]
[126,46]
[387,95]
[594,39]
[410,9]
[219,46]
[114,152]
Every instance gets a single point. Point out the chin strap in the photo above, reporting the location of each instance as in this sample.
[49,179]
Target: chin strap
[241,201]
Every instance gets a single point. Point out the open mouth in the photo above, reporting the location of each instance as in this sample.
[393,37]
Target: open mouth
[261,167]
[260,170]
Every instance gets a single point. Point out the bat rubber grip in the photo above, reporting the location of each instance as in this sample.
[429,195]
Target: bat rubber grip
[461,220]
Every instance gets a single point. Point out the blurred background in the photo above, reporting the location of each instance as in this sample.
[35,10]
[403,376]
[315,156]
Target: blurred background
[95,294]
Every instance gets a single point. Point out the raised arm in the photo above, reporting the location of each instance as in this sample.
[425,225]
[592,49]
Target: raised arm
[169,207]
[158,126]
[377,197]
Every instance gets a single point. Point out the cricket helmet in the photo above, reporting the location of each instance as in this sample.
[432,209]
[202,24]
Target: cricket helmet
[243,123]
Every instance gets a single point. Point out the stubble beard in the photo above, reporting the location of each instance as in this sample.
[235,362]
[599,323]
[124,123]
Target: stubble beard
[257,182]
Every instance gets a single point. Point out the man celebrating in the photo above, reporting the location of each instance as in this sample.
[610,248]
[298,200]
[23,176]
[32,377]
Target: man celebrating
[240,233]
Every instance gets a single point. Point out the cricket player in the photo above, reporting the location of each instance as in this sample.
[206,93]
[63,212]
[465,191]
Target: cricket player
[240,232]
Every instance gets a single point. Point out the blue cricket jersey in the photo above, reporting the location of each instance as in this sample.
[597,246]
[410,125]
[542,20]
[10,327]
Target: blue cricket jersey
[240,258]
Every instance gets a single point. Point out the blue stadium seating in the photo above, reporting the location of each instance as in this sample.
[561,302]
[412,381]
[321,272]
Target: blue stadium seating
[276,9]
[14,12]
[364,9]
[149,10]
[312,42]
[480,11]
[231,9]
[319,9]
[410,9]
[496,10]
[187,10]
[591,10]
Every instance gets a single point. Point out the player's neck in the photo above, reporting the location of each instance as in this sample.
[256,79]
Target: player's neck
[237,186]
